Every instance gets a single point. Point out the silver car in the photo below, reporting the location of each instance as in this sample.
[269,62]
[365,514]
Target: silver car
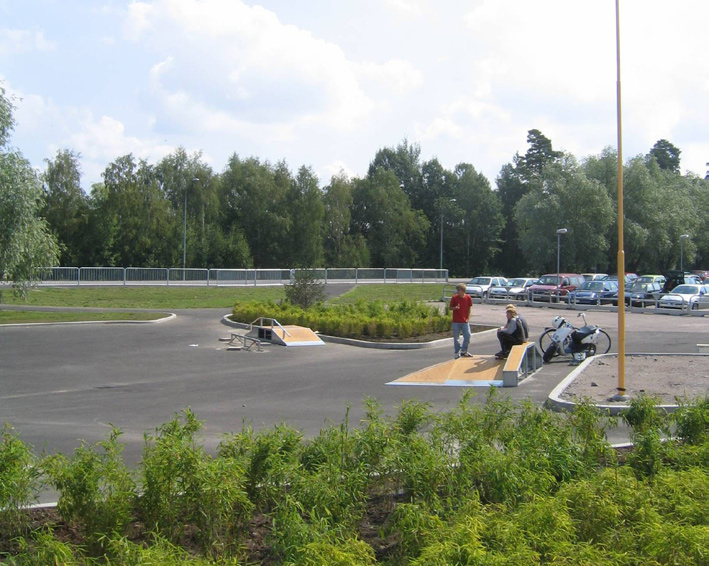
[693,297]
[516,289]
[478,287]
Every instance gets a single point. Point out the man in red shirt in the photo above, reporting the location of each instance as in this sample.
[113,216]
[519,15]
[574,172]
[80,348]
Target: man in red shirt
[461,305]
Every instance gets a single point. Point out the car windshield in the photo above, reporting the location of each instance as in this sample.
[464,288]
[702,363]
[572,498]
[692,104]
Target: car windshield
[479,281]
[686,290]
[640,287]
[645,279]
[517,282]
[549,280]
[591,286]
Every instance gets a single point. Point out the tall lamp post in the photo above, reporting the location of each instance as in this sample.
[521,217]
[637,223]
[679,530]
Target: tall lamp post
[682,238]
[559,232]
[440,267]
[184,233]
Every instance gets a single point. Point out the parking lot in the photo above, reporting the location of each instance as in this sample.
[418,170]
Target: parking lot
[64,383]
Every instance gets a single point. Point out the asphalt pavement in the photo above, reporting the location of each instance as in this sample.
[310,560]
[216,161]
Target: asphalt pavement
[64,383]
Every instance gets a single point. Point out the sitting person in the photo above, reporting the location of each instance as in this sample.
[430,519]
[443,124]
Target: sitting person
[513,333]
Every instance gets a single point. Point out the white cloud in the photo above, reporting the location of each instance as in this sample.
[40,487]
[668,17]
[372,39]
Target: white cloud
[16,41]
[259,70]
[397,75]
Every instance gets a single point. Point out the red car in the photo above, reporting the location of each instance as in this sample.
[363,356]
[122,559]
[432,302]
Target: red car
[552,284]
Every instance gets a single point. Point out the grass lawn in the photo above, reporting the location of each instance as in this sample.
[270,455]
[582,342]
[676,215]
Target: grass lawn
[388,292]
[144,297]
[23,317]
[173,297]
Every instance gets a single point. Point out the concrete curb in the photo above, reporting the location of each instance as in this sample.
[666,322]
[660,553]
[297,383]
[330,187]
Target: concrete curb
[170,316]
[377,345]
[558,404]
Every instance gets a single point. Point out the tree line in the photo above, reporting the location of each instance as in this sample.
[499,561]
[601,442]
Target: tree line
[405,212]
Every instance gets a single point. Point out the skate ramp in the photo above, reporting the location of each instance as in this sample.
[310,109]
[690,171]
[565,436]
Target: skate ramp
[478,371]
[289,335]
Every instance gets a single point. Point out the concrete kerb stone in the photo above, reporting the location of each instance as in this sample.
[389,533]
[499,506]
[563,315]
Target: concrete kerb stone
[378,345]
[558,404]
[169,316]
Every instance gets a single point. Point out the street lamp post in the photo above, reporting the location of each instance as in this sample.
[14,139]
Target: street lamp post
[440,267]
[559,232]
[682,238]
[184,233]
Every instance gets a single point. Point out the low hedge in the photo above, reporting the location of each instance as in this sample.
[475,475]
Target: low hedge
[403,319]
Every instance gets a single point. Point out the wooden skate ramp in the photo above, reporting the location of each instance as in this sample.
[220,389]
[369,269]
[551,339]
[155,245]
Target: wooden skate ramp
[478,371]
[289,335]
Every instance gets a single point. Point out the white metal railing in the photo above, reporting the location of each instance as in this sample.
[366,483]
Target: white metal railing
[200,276]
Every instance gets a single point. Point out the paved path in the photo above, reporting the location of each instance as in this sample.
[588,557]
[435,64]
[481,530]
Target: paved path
[63,383]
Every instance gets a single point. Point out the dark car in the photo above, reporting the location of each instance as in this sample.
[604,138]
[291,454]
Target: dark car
[594,293]
[641,294]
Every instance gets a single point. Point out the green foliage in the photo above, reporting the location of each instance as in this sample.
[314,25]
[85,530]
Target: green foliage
[42,549]
[692,421]
[492,483]
[19,482]
[170,468]
[305,290]
[374,319]
[96,490]
[26,243]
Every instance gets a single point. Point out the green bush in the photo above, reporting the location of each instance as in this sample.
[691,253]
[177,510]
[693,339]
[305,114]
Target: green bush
[374,319]
[96,490]
[170,467]
[19,482]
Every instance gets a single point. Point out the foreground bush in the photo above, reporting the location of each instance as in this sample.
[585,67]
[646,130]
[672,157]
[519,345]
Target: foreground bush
[403,319]
[490,483]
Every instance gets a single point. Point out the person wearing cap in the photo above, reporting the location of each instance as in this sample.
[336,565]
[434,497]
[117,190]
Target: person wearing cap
[461,305]
[514,332]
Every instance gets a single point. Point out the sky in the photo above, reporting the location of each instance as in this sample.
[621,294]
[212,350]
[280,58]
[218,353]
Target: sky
[327,83]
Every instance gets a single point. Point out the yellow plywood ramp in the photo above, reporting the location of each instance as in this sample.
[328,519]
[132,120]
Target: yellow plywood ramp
[480,371]
[289,335]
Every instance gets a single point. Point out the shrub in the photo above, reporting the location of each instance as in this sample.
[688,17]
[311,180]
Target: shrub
[170,475]
[692,421]
[97,491]
[223,509]
[305,289]
[19,482]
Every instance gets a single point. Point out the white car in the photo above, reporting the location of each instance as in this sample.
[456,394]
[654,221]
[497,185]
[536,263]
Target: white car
[515,289]
[694,297]
[478,287]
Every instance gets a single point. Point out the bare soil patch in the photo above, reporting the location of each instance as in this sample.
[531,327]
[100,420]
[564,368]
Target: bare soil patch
[668,377]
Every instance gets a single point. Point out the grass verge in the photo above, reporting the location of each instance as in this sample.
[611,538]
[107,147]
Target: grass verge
[24,317]
[163,297]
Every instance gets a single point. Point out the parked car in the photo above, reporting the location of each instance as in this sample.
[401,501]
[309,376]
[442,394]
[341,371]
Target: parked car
[628,279]
[594,293]
[516,289]
[594,276]
[676,277]
[551,283]
[686,296]
[652,279]
[703,274]
[478,287]
[642,294]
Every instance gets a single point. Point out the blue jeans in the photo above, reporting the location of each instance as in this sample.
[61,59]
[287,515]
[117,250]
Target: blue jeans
[459,327]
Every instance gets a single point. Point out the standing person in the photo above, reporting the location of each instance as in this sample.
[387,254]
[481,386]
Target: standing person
[514,332]
[461,305]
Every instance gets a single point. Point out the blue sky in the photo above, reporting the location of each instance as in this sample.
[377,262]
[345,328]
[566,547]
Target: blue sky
[328,83]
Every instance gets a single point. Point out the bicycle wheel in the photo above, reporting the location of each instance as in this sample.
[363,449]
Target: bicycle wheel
[545,340]
[604,343]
